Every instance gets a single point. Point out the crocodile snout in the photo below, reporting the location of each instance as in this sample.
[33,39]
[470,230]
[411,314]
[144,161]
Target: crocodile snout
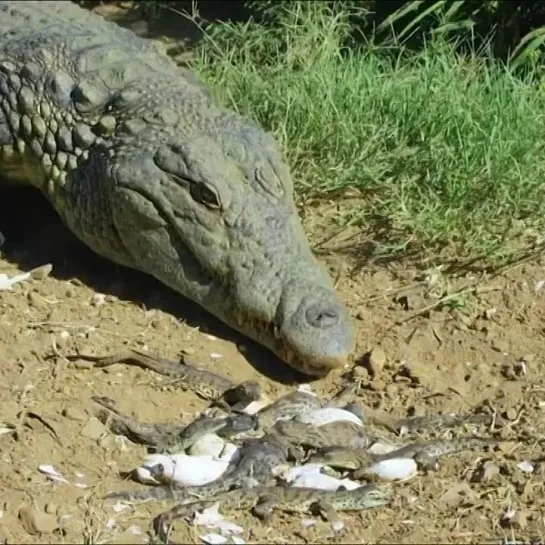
[316,331]
[323,315]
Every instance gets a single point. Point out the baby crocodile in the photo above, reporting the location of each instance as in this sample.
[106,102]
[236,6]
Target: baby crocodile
[164,436]
[254,466]
[208,385]
[425,454]
[341,433]
[264,500]
[294,404]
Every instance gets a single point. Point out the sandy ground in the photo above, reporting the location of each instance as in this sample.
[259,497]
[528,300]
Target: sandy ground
[450,360]
[487,352]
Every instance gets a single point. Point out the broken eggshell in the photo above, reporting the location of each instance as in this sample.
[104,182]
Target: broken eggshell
[292,473]
[310,476]
[211,518]
[213,445]
[207,445]
[6,282]
[395,469]
[255,406]
[229,453]
[180,468]
[382,447]
[322,481]
[319,417]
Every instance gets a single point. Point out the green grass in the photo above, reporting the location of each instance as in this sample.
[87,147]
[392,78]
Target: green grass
[449,148]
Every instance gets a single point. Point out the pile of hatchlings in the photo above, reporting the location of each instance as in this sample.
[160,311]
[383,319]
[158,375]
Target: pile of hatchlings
[208,458]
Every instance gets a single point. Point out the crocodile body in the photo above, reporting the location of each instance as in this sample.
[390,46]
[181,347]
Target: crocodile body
[145,169]
[264,500]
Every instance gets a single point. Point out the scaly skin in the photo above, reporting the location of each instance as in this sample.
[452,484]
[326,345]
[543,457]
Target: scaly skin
[264,500]
[206,384]
[258,459]
[147,171]
[166,436]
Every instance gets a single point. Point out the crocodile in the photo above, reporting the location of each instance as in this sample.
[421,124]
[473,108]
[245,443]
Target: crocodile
[425,454]
[208,385]
[253,467]
[264,500]
[162,437]
[149,171]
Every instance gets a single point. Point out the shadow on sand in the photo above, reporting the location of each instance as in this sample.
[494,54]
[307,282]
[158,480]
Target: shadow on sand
[34,235]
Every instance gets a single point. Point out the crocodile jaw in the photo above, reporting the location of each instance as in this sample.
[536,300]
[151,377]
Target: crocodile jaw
[286,303]
[249,264]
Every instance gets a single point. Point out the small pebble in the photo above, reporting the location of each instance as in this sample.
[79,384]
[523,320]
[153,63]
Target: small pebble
[35,522]
[456,495]
[377,360]
[160,324]
[41,272]
[489,313]
[35,300]
[487,472]
[51,509]
[93,429]
[360,373]
[98,299]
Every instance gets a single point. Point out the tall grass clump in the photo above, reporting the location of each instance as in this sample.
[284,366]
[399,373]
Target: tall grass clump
[449,147]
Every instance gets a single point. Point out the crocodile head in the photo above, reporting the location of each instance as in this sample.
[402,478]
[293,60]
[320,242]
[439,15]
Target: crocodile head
[208,209]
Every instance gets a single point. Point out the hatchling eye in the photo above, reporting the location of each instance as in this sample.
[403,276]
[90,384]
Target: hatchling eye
[205,195]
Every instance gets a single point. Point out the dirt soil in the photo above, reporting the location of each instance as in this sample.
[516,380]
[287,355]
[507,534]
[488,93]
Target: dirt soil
[486,352]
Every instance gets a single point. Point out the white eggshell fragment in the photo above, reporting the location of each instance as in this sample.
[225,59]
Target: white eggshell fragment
[323,482]
[382,447]
[213,539]
[6,282]
[229,453]
[319,417]
[51,473]
[255,406]
[526,466]
[181,468]
[293,473]
[396,469]
[210,517]
[208,445]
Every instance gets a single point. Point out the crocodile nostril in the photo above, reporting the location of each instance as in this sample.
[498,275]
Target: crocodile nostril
[322,316]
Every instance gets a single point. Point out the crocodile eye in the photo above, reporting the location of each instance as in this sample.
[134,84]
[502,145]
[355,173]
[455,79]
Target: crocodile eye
[205,195]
